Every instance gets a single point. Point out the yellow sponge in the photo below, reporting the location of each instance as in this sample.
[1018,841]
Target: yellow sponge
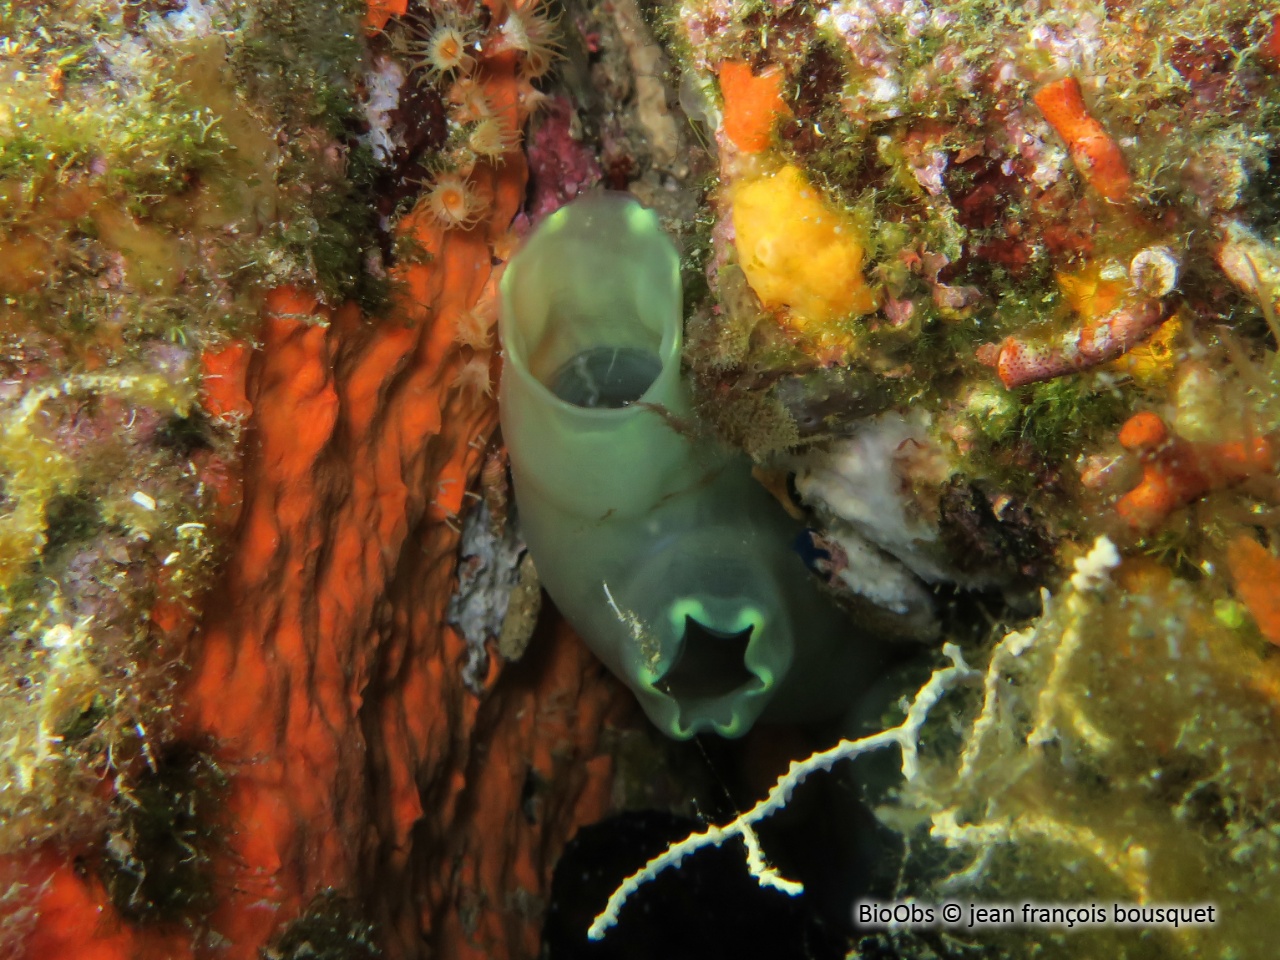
[799,253]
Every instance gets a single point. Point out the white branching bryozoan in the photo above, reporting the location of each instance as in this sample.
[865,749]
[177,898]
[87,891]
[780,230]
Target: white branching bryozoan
[904,736]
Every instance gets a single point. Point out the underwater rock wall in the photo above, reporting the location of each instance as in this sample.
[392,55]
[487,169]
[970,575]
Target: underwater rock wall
[1047,235]
[1046,231]
[247,392]
[989,279]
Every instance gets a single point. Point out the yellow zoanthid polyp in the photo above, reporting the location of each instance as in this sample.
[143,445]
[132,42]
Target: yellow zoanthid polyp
[800,254]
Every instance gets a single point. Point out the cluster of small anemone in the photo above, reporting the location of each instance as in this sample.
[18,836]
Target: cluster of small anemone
[448,48]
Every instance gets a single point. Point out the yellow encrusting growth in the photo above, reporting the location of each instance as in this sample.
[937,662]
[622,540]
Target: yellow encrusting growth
[800,254]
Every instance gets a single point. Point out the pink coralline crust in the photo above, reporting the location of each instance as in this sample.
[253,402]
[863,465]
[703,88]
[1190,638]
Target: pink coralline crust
[705,26]
[928,167]
[723,237]
[950,70]
[857,24]
[951,297]
[1041,165]
[862,26]
[560,167]
[1068,45]
[898,312]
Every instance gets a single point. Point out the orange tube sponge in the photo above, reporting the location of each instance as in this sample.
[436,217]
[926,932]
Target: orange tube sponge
[1256,572]
[752,104]
[1093,150]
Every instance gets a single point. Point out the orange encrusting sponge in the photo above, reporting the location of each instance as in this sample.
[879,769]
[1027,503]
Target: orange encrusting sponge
[1176,471]
[752,104]
[1271,43]
[1093,150]
[1256,572]
[379,12]
[1143,431]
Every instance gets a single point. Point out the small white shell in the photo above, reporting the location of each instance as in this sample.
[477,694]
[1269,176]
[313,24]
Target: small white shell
[1154,271]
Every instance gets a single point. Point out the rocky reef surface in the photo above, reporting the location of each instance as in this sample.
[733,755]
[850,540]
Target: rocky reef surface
[986,283]
[247,263]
